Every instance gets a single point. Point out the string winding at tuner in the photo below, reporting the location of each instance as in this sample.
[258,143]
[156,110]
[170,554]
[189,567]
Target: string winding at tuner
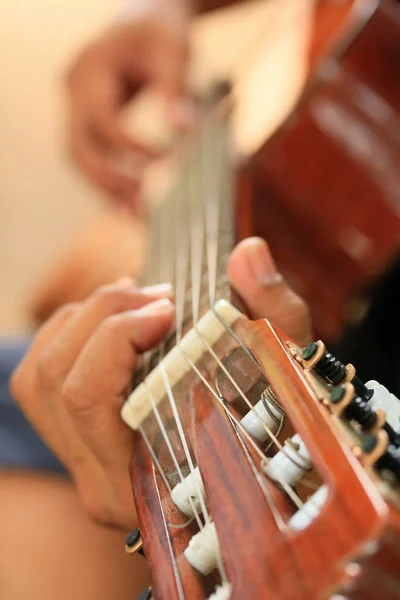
[196,221]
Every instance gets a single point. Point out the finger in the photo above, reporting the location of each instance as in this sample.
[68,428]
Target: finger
[254,276]
[26,384]
[103,122]
[24,375]
[94,158]
[106,301]
[97,100]
[95,387]
[106,129]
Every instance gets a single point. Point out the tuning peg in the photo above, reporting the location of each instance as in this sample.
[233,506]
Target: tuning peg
[354,407]
[315,356]
[203,549]
[291,463]
[375,451]
[345,401]
[372,448]
[267,412]
[222,592]
[186,494]
[133,543]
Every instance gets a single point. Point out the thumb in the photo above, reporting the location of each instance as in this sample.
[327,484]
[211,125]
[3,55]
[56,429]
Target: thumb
[254,276]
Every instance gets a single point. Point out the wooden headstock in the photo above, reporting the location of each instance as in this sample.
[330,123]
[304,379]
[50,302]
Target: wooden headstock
[274,542]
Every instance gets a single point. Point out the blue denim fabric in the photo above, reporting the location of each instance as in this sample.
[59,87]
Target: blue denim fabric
[20,446]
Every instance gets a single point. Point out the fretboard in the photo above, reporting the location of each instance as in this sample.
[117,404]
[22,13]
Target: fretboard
[192,230]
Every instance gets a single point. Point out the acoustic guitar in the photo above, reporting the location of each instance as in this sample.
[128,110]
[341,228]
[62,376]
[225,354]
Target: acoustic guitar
[329,178]
[324,191]
[261,470]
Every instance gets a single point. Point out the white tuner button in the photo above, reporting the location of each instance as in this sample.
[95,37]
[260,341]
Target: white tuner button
[310,509]
[203,550]
[254,425]
[291,463]
[185,495]
[222,592]
[387,401]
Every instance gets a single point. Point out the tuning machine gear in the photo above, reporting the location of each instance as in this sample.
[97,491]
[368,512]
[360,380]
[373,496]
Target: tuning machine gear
[133,543]
[315,356]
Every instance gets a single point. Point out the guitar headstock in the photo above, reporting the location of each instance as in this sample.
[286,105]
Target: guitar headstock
[255,477]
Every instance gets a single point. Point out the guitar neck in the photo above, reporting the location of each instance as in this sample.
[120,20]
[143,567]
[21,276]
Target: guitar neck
[192,231]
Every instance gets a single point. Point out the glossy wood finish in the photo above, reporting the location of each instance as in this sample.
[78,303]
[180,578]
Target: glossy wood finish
[238,507]
[327,187]
[342,528]
[161,544]
[263,559]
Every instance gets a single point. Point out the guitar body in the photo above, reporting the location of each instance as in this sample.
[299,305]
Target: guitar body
[326,187]
[318,191]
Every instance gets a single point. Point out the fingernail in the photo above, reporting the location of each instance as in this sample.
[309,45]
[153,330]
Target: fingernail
[159,307]
[261,262]
[126,282]
[160,289]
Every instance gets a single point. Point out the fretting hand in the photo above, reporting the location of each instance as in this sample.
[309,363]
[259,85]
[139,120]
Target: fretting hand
[73,381]
[149,45]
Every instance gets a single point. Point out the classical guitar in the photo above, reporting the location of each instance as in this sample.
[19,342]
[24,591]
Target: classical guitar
[331,172]
[261,470]
[328,178]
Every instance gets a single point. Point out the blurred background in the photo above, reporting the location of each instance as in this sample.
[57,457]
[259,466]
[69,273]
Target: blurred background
[317,125]
[324,186]
[44,203]
[56,237]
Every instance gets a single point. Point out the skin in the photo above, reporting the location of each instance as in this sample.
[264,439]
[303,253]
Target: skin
[64,539]
[71,385]
[148,45]
[74,379]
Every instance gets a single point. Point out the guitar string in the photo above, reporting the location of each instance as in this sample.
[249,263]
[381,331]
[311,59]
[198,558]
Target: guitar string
[212,197]
[161,426]
[183,440]
[181,260]
[163,476]
[211,253]
[264,487]
[196,274]
[196,224]
[227,195]
[169,272]
[216,158]
[220,400]
[174,408]
[212,216]
[196,249]
[196,278]
[305,482]
[173,456]
[167,250]
[218,196]
[197,243]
